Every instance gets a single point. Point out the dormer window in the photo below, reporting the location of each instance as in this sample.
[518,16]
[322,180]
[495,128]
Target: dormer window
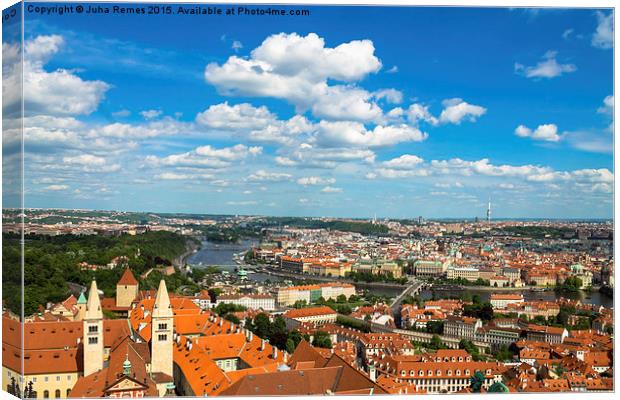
[458,372]
[420,373]
[438,372]
[466,372]
[430,373]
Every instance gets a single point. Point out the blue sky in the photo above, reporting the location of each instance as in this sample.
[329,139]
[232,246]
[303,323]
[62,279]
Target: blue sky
[346,112]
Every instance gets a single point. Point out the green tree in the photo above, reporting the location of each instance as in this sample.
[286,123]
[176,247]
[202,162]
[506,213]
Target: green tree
[322,339]
[262,326]
[476,382]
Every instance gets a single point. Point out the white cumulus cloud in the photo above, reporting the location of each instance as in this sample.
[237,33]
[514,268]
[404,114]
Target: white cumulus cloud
[548,67]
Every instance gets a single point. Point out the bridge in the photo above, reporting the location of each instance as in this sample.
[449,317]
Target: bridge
[414,288]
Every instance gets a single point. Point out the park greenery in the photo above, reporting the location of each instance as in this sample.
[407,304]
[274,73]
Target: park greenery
[353,323]
[572,284]
[478,309]
[52,271]
[225,234]
[369,277]
[365,228]
[537,232]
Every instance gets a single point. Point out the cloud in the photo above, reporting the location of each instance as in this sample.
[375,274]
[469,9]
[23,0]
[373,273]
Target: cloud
[56,188]
[58,92]
[308,156]
[206,157]
[121,113]
[297,69]
[257,124]
[315,180]
[330,189]
[392,70]
[85,159]
[265,176]
[456,110]
[548,67]
[546,132]
[482,173]
[567,33]
[406,161]
[603,37]
[236,45]
[419,112]
[390,95]
[150,114]
[346,133]
[242,203]
[239,116]
[173,176]
[91,163]
[608,106]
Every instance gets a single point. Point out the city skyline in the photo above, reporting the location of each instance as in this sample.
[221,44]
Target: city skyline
[309,118]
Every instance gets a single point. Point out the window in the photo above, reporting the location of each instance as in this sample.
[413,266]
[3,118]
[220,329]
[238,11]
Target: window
[162,327]
[68,392]
[92,340]
[162,337]
[92,329]
[57,393]
[68,377]
[46,394]
[57,378]
[34,379]
[46,379]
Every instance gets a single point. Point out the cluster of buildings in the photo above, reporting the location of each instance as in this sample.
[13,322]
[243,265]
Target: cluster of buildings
[289,295]
[497,261]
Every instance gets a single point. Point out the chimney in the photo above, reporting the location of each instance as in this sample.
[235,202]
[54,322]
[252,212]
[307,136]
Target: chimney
[221,321]
[232,326]
[262,344]
[274,353]
[284,357]
[250,336]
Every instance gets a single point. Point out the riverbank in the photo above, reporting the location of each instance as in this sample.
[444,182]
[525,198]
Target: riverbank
[387,285]
[180,261]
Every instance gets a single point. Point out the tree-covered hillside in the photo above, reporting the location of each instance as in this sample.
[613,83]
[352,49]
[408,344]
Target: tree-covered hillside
[51,262]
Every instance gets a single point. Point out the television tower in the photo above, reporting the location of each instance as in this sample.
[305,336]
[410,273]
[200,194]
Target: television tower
[489,212]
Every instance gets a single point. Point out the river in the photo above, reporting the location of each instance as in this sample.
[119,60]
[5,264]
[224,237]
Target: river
[222,254]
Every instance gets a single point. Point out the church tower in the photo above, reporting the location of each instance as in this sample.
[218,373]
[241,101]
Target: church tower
[161,332]
[81,306]
[93,332]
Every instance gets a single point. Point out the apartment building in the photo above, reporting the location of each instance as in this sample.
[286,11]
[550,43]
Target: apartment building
[461,327]
[255,301]
[287,296]
[500,301]
[468,273]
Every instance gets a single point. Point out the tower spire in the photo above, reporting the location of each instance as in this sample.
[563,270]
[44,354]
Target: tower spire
[162,301]
[93,305]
